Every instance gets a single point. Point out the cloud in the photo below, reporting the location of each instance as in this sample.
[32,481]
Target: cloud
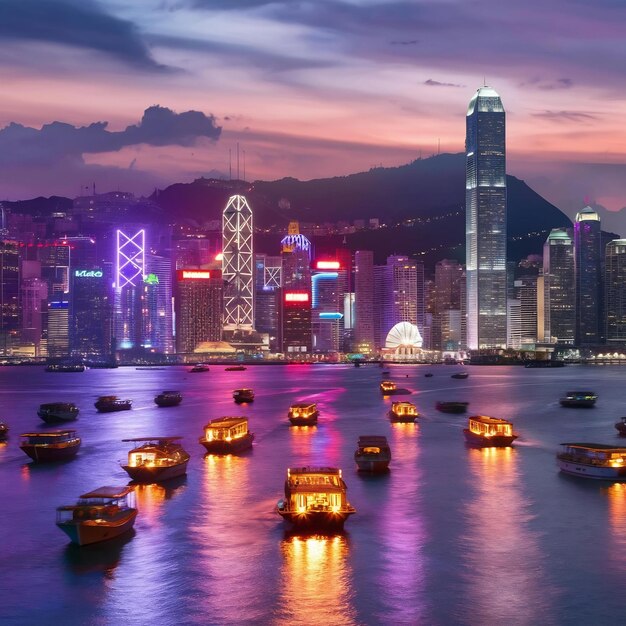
[549,85]
[233,5]
[77,24]
[58,141]
[435,83]
[411,42]
[566,116]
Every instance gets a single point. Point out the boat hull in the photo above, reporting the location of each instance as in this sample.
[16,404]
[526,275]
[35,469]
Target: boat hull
[218,446]
[110,408]
[160,402]
[303,421]
[55,417]
[372,465]
[621,428]
[498,441]
[85,533]
[577,404]
[316,520]
[592,471]
[47,454]
[402,419]
[144,474]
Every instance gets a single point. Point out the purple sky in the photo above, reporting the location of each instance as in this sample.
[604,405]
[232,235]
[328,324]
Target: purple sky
[308,88]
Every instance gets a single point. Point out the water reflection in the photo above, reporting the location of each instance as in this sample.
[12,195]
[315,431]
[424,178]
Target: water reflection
[502,557]
[151,498]
[316,581]
[102,557]
[617,521]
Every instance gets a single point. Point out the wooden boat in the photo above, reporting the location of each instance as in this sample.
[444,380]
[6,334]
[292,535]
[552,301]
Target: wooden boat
[372,454]
[54,412]
[489,432]
[99,515]
[4,431]
[388,387]
[460,375]
[303,414]
[621,426]
[168,398]
[58,445]
[65,367]
[157,459]
[579,399]
[452,407]
[199,368]
[235,368]
[403,412]
[243,395]
[315,498]
[227,435]
[593,460]
[110,404]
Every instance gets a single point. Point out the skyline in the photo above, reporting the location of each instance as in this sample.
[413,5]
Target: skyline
[305,95]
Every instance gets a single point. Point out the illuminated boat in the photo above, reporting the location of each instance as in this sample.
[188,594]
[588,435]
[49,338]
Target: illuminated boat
[315,498]
[168,398]
[59,445]
[387,387]
[235,368]
[157,459]
[460,375]
[53,412]
[452,407]
[243,395]
[373,454]
[110,404]
[579,399]
[100,515]
[227,435]
[199,368]
[303,414]
[4,431]
[593,460]
[489,432]
[621,427]
[65,367]
[403,412]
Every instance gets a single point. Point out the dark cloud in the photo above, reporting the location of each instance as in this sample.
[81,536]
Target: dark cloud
[233,5]
[55,142]
[566,116]
[435,83]
[549,85]
[411,42]
[75,23]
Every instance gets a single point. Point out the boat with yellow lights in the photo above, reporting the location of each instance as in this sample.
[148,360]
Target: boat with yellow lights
[303,414]
[168,398]
[156,459]
[111,404]
[372,454]
[388,387]
[100,515]
[315,498]
[58,445]
[579,399]
[243,395]
[403,412]
[489,432]
[227,435]
[53,412]
[621,427]
[593,460]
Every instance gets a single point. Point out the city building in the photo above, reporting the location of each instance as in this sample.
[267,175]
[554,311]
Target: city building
[486,224]
[58,326]
[526,290]
[446,332]
[157,305]
[329,284]
[615,292]
[268,299]
[9,294]
[364,301]
[33,311]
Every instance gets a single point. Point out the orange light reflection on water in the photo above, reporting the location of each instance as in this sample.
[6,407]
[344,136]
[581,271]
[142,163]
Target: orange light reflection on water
[617,520]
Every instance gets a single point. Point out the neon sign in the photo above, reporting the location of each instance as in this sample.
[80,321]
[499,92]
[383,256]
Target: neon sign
[130,258]
[88,273]
[328,265]
[194,274]
[292,296]
[151,279]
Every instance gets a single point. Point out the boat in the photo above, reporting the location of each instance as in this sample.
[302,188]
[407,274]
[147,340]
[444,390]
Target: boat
[372,454]
[315,498]
[235,368]
[53,412]
[428,375]
[303,414]
[58,445]
[156,459]
[403,412]
[168,398]
[579,399]
[99,515]
[199,368]
[452,407]
[110,404]
[489,432]
[621,426]
[4,431]
[387,387]
[593,460]
[460,375]
[243,395]
[385,373]
[65,367]
[227,435]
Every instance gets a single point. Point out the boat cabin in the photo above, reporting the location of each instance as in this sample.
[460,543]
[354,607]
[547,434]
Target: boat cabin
[404,409]
[49,439]
[155,451]
[303,410]
[315,489]
[594,454]
[105,503]
[372,444]
[226,429]
[387,386]
[490,426]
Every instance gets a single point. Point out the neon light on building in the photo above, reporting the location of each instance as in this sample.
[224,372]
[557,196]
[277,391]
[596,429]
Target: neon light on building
[130,263]
[291,296]
[330,316]
[296,241]
[316,278]
[327,265]
[194,274]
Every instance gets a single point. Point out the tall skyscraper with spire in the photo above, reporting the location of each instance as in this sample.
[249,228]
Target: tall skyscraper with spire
[485,221]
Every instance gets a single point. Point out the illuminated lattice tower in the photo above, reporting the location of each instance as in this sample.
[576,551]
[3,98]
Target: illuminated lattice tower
[237,265]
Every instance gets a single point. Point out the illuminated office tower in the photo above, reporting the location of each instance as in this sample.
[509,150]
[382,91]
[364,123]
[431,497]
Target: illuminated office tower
[268,298]
[9,293]
[237,265]
[615,288]
[588,262]
[526,291]
[328,285]
[157,305]
[485,221]
[58,326]
[55,265]
[446,332]
[559,288]
[33,310]
[364,301]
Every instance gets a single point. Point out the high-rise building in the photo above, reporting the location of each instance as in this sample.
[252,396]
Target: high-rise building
[9,293]
[268,304]
[329,280]
[559,288]
[588,261]
[364,301]
[485,221]
[198,308]
[58,326]
[237,265]
[157,305]
[615,289]
[526,293]
[447,298]
[33,311]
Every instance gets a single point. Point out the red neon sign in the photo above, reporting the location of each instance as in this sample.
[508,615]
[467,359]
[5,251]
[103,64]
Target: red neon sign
[328,265]
[194,275]
[296,297]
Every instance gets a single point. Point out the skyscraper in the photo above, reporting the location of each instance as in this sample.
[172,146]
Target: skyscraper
[485,221]
[364,300]
[615,286]
[446,335]
[588,261]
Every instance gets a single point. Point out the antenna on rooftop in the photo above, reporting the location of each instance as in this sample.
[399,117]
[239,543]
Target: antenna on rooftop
[237,160]
[230,163]
[244,165]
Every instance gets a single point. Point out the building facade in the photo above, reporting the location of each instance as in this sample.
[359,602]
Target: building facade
[615,292]
[364,301]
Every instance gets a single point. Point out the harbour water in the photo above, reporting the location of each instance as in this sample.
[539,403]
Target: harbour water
[452,535]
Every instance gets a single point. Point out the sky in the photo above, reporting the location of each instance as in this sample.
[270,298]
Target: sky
[137,95]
